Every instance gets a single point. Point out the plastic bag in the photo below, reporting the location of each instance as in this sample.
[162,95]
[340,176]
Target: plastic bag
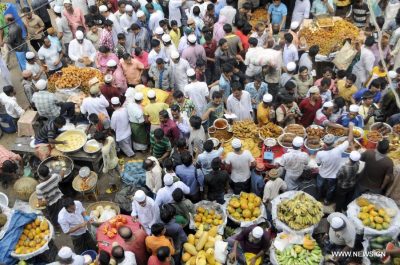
[8,212]
[107,215]
[248,256]
[344,56]
[211,205]
[221,251]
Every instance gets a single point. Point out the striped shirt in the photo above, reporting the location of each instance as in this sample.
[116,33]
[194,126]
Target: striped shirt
[48,131]
[49,191]
[159,148]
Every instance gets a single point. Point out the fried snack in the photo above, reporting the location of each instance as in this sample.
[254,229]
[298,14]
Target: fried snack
[356,134]
[330,38]
[221,135]
[313,142]
[353,146]
[67,81]
[382,128]
[296,129]
[287,140]
[245,129]
[270,130]
[259,15]
[374,136]
[315,131]
[325,22]
[396,128]
[247,144]
[336,131]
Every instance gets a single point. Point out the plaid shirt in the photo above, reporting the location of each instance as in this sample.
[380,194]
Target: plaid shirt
[46,104]
[106,39]
[346,177]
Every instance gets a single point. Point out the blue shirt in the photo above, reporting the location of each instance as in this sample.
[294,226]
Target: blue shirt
[344,120]
[277,13]
[218,7]
[175,231]
[255,94]
[257,183]
[187,176]
[224,86]
[319,8]
[359,94]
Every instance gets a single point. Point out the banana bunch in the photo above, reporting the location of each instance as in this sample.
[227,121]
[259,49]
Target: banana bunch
[298,255]
[300,212]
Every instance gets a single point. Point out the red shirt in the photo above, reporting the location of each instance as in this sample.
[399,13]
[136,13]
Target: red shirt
[244,39]
[137,246]
[170,130]
[153,260]
[210,50]
[110,91]
[308,110]
[144,59]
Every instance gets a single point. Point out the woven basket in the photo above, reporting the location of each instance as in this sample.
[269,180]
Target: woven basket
[93,206]
[33,202]
[91,181]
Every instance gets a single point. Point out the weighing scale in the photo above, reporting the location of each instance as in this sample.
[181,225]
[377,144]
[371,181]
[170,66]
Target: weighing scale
[268,153]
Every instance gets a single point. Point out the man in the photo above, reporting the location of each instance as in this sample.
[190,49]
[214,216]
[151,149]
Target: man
[257,89]
[368,109]
[119,48]
[179,68]
[13,109]
[363,68]
[36,69]
[51,56]
[140,37]
[294,162]
[106,35]
[161,74]
[127,19]
[152,110]
[132,69]
[252,53]
[16,41]
[47,104]
[45,138]
[197,92]
[352,116]
[389,105]
[322,7]
[228,11]
[186,106]
[160,145]
[342,233]
[277,12]
[116,27]
[153,174]
[322,117]
[49,194]
[34,26]
[122,256]
[41,7]
[307,59]
[155,17]
[108,91]
[194,52]
[273,187]
[252,239]
[239,103]
[329,161]
[214,109]
[181,121]
[164,194]
[145,211]
[63,30]
[169,48]
[117,73]
[96,103]
[81,50]
[287,112]
[377,172]
[74,220]
[169,127]
[374,88]
[290,53]
[157,239]
[136,119]
[66,256]
[134,241]
[257,179]
[235,45]
[204,159]
[120,125]
[346,181]
[309,107]
[347,89]
[240,161]
[74,16]
[216,182]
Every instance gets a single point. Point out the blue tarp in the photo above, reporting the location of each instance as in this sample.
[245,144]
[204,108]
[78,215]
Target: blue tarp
[134,174]
[10,239]
[11,9]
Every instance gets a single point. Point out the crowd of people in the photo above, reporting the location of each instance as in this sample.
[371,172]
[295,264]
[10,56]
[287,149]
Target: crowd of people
[202,54]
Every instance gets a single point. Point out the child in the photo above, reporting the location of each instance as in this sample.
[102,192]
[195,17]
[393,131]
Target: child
[119,49]
[273,186]
[158,239]
[110,159]
[160,145]
[94,34]
[184,207]
[214,109]
[175,33]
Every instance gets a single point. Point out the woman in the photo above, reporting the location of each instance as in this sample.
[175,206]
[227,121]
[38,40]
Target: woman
[219,32]
[102,57]
[303,81]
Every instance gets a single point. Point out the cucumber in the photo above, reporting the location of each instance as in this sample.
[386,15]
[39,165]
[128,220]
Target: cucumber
[374,245]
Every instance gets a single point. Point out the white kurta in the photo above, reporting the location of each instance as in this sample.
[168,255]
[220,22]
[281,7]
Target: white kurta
[363,68]
[154,176]
[241,108]
[197,92]
[294,162]
[5,79]
[116,27]
[174,11]
[147,215]
[155,19]
[120,124]
[77,51]
[301,10]
[164,195]
[168,50]
[126,22]
[179,77]
[82,5]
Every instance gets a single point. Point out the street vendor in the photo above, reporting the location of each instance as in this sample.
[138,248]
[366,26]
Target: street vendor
[45,138]
[81,50]
[265,110]
[145,210]
[249,245]
[352,116]
[323,114]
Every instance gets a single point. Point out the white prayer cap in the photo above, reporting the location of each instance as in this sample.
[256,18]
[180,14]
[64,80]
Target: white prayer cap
[84,172]
[41,84]
[298,141]
[328,104]
[329,138]
[291,66]
[236,143]
[192,38]
[65,253]
[151,94]
[140,87]
[111,63]
[115,101]
[108,78]
[337,223]
[139,13]
[168,179]
[29,55]
[355,156]
[174,54]
[159,31]
[190,72]
[392,74]
[79,35]
[138,96]
[313,90]
[166,38]
[267,98]
[294,25]
[67,2]
[103,8]
[257,232]
[57,9]
[139,196]
[128,8]
[354,108]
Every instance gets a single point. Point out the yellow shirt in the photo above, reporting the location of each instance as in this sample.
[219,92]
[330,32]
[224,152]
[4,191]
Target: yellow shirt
[175,37]
[262,114]
[152,110]
[345,92]
[341,3]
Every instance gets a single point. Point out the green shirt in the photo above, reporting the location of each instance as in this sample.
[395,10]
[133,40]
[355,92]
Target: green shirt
[218,113]
[188,107]
[159,148]
[2,24]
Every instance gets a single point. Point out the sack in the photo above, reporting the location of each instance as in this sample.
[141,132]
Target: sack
[344,57]
[123,197]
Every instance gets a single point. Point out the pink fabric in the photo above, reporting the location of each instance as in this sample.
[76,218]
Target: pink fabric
[219,32]
[332,86]
[75,19]
[106,39]
[144,59]
[5,155]
[119,79]
[102,59]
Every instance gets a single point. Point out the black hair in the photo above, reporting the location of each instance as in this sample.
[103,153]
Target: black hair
[138,51]
[60,120]
[341,74]
[246,30]
[90,24]
[158,133]
[181,143]
[163,253]
[216,164]
[160,61]
[200,63]
[8,90]
[99,136]
[177,94]
[302,68]
[236,86]
[351,77]
[288,37]
[126,56]
[177,195]
[208,36]
[11,167]
[187,158]
[93,9]
[167,212]
[121,36]
[157,229]
[196,11]
[240,24]
[154,43]
[290,85]
[325,82]
[340,102]
[327,69]
[173,23]
[135,26]
[67,202]
[369,41]
[93,118]
[43,171]
[175,108]
[216,94]
[227,28]
[164,114]
[313,51]
[383,146]
[247,6]
[168,164]
[367,94]
[26,9]
[287,99]
[208,146]
[104,49]
[121,2]
[104,258]
[210,7]
[253,41]
[195,122]
[118,253]
[149,6]
[375,83]
[230,2]
[108,23]
[222,42]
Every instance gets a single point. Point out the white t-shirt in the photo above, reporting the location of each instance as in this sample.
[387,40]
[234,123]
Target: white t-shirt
[69,220]
[241,108]
[120,124]
[197,92]
[345,237]
[331,160]
[95,105]
[130,259]
[240,165]
[50,55]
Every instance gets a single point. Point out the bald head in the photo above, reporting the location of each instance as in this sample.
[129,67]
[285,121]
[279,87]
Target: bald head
[148,164]
[26,74]
[125,232]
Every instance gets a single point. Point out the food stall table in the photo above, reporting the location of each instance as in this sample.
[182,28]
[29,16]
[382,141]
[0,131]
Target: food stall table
[22,146]
[105,243]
